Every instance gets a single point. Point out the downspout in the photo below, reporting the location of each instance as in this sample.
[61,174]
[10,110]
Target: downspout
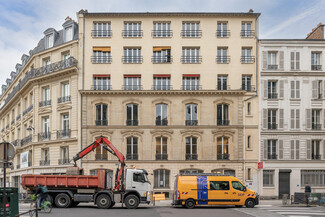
[83,80]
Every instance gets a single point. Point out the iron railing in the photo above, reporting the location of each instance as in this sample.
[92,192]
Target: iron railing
[272,126]
[101,59]
[247,33]
[64,99]
[191,122]
[247,59]
[316,157]
[190,156]
[15,142]
[101,122]
[162,87]
[191,33]
[316,126]
[44,162]
[101,157]
[191,87]
[162,59]
[132,156]
[316,67]
[64,161]
[132,122]
[191,59]
[223,59]
[223,33]
[223,156]
[61,134]
[272,95]
[101,87]
[223,122]
[26,140]
[132,87]
[101,33]
[132,33]
[163,122]
[162,33]
[18,117]
[272,156]
[248,88]
[223,87]
[44,103]
[132,59]
[44,136]
[272,67]
[161,156]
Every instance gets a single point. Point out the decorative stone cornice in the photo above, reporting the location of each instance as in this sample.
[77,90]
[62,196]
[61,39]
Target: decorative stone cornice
[101,132]
[131,132]
[162,132]
[192,131]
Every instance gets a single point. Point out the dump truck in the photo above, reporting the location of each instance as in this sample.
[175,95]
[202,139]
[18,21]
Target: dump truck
[131,185]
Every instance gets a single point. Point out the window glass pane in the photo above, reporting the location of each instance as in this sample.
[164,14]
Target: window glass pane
[219,185]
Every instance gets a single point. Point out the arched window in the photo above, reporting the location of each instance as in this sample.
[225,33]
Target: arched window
[161,148]
[191,118]
[224,172]
[190,171]
[101,115]
[161,115]
[223,148]
[161,178]
[191,148]
[132,114]
[132,148]
[223,114]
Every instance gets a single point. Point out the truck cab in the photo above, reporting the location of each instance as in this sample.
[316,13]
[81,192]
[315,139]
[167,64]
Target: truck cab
[136,181]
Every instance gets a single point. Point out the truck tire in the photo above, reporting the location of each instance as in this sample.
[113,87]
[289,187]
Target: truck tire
[131,201]
[62,200]
[103,201]
[250,203]
[190,204]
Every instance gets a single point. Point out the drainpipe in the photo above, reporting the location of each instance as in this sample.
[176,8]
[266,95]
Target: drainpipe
[83,80]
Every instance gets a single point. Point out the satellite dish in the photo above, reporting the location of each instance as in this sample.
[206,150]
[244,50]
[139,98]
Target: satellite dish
[11,151]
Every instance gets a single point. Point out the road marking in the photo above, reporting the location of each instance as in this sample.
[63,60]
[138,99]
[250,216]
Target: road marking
[263,206]
[291,210]
[298,213]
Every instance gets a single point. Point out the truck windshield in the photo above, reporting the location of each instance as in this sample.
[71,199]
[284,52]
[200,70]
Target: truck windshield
[145,177]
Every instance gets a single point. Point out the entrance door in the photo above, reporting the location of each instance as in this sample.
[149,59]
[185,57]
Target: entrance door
[284,183]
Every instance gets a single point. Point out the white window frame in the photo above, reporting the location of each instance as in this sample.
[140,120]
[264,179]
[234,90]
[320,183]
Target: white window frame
[65,122]
[221,80]
[191,144]
[46,93]
[132,83]
[161,83]
[191,54]
[65,88]
[46,124]
[100,28]
[49,40]
[132,55]
[272,58]
[68,33]
[224,146]
[162,144]
[161,29]
[269,174]
[191,29]
[193,115]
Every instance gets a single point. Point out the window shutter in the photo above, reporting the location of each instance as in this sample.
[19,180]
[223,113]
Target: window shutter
[297,118]
[264,60]
[264,118]
[292,60]
[324,89]
[297,89]
[281,89]
[265,149]
[297,60]
[265,89]
[308,157]
[292,149]
[292,118]
[308,118]
[324,149]
[281,65]
[314,85]
[297,150]
[280,149]
[324,119]
[292,87]
[281,118]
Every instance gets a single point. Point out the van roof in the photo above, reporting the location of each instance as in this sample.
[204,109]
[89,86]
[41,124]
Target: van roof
[203,174]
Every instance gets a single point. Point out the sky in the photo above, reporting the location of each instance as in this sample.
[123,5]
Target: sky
[22,22]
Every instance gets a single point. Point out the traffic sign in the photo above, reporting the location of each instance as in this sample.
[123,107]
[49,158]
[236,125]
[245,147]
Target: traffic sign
[260,165]
[11,151]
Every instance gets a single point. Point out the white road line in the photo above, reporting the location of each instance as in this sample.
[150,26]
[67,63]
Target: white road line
[258,206]
[299,216]
[292,210]
[298,213]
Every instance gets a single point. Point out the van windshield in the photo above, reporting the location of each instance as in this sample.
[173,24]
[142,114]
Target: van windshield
[238,186]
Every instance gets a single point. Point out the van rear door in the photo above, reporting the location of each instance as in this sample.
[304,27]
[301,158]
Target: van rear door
[219,193]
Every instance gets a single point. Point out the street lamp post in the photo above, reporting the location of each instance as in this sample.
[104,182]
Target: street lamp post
[4,178]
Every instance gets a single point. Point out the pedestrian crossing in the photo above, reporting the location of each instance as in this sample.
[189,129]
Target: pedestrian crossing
[296,211]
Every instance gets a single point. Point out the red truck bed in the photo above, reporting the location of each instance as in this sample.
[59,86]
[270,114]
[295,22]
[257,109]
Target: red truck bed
[64,181]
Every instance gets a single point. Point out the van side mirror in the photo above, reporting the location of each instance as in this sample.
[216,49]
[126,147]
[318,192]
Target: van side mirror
[245,189]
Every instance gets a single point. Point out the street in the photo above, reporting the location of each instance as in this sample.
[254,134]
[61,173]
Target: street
[162,209]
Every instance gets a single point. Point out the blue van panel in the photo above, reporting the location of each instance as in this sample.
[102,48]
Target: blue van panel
[202,190]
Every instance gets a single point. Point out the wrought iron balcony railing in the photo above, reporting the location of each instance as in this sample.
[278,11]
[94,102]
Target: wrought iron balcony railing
[191,122]
[64,161]
[316,126]
[162,33]
[101,157]
[132,33]
[101,87]
[132,59]
[247,33]
[320,96]
[272,126]
[316,157]
[316,67]
[191,59]
[162,87]
[161,156]
[7,126]
[223,122]
[191,87]
[18,117]
[132,156]
[12,122]
[63,134]
[101,33]
[162,59]
[132,122]
[272,156]
[44,136]
[132,87]
[25,112]
[248,88]
[247,59]
[101,59]
[191,157]
[44,103]
[272,67]
[223,33]
[272,95]
[223,87]
[163,122]
[26,140]
[44,162]
[16,142]
[101,122]
[223,59]
[191,33]
[64,99]
[223,156]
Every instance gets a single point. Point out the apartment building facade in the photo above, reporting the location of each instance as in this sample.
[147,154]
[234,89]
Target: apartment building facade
[174,92]
[292,116]
[38,112]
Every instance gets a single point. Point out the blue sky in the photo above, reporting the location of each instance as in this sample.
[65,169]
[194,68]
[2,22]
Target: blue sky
[22,22]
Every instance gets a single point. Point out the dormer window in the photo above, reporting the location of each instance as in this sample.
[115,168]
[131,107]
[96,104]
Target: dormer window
[68,33]
[49,41]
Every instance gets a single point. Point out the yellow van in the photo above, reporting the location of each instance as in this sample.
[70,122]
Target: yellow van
[212,189]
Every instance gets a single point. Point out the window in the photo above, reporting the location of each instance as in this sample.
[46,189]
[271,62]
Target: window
[161,148]
[65,89]
[315,118]
[223,148]
[249,108]
[271,149]
[161,55]
[191,148]
[45,157]
[68,33]
[45,135]
[101,115]
[249,174]
[64,152]
[46,94]
[191,55]
[102,82]
[247,82]
[65,126]
[161,178]
[132,82]
[101,29]
[222,30]
[295,119]
[101,153]
[272,60]
[161,29]
[222,82]
[268,178]
[191,118]
[249,142]
[219,185]
[222,55]
[295,89]
[271,118]
[161,115]
[238,186]
[49,41]
[101,55]
[295,60]
[223,114]
[294,152]
[315,150]
[47,62]
[272,90]
[65,55]
[316,61]
[313,177]
[132,148]
[137,177]
[191,29]
[132,29]
[246,29]
[246,55]
[132,55]
[161,82]
[191,82]
[132,115]
[317,91]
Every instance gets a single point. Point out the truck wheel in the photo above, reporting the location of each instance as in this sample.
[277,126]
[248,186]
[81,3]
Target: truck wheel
[250,203]
[103,201]
[190,204]
[62,200]
[131,202]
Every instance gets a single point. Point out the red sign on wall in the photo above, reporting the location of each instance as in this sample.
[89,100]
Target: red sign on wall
[260,165]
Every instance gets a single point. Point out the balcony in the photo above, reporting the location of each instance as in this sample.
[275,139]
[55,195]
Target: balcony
[44,103]
[64,161]
[12,122]
[272,67]
[25,112]
[190,59]
[101,87]
[223,59]
[34,73]
[101,157]
[132,156]
[223,156]
[191,122]
[44,136]
[44,162]
[63,134]
[101,33]
[162,122]
[223,122]
[191,87]
[101,59]
[223,33]
[15,142]
[162,59]
[162,87]
[132,122]
[272,95]
[320,96]
[132,87]
[272,126]
[272,156]
[101,122]
[248,88]
[315,126]
[7,126]
[162,33]
[26,140]
[18,117]
[132,33]
[247,59]
[316,157]
[191,33]
[247,33]
[132,59]
[190,156]
[3,130]
[64,99]
[316,67]
[161,156]
[223,87]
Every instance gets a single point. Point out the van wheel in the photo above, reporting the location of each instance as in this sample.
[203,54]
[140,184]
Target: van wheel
[190,204]
[103,201]
[250,203]
[62,200]
[131,202]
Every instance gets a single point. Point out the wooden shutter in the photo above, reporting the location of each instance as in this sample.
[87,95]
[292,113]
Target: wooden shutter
[265,89]
[297,118]
[308,150]
[297,60]
[265,149]
[292,119]
[281,60]
[292,149]
[292,60]
[297,150]
[280,149]
[297,89]
[308,118]
[264,59]
[292,88]
[265,118]
[281,118]
[281,89]
[314,85]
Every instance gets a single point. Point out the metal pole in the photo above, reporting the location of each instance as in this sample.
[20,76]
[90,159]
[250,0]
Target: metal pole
[4,179]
